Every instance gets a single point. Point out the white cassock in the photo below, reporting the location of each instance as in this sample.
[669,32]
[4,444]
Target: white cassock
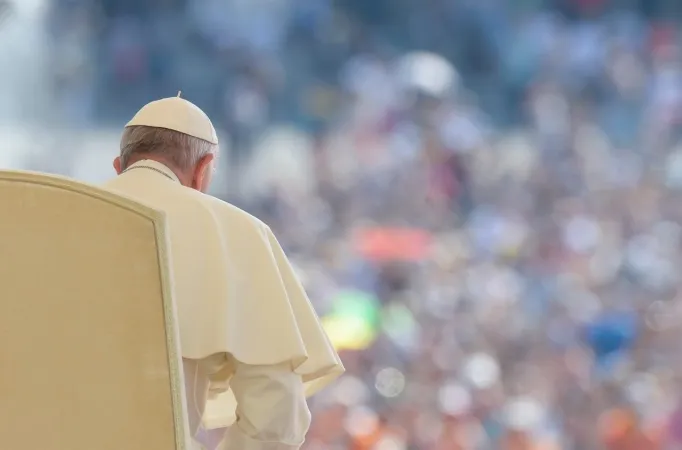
[252,346]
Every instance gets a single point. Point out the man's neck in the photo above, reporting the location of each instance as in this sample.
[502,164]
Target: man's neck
[178,173]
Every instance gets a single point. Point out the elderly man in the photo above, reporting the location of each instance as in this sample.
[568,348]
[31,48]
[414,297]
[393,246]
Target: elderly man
[246,324]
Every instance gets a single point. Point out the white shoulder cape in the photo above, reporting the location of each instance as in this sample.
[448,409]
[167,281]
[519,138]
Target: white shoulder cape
[235,289]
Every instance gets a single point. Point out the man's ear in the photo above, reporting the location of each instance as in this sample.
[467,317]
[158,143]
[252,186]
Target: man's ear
[202,173]
[117,165]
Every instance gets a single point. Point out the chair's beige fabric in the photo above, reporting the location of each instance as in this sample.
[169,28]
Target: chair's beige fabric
[88,349]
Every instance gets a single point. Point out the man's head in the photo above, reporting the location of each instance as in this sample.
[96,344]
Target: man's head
[176,133]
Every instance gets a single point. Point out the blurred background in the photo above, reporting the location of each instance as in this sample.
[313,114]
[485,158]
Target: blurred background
[482,197]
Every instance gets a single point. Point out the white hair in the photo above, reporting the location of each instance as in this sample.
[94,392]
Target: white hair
[177,148]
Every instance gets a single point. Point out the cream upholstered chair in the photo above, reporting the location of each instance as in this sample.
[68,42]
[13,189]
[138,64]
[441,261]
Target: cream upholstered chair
[88,344]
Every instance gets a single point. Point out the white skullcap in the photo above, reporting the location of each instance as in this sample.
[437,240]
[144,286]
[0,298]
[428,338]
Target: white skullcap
[177,114]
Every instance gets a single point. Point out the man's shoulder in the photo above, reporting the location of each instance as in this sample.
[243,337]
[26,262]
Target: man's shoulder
[228,210]
[183,200]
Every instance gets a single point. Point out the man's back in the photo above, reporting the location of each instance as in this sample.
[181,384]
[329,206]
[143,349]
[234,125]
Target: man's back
[226,265]
[235,292]
[199,254]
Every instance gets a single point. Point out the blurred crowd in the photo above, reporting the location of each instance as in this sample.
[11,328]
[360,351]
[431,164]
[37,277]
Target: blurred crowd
[482,197]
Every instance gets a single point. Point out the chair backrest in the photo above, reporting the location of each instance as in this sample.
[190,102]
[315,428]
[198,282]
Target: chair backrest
[89,355]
